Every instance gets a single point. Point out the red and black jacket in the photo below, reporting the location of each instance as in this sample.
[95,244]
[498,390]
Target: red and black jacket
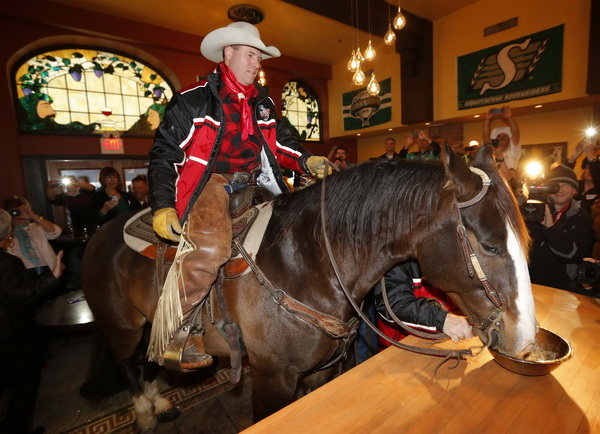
[189,140]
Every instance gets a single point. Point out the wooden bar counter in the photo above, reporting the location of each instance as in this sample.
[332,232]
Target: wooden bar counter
[395,391]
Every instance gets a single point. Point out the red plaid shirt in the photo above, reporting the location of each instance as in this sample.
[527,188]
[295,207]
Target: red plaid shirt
[236,155]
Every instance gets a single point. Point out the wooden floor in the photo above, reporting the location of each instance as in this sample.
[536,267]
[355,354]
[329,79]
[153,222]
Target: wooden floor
[395,391]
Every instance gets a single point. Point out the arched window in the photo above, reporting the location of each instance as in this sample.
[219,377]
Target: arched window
[84,90]
[300,110]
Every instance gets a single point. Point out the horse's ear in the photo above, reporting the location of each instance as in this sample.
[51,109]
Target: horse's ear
[484,159]
[460,178]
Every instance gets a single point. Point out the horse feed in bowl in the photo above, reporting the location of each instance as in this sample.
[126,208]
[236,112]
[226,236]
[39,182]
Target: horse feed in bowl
[549,351]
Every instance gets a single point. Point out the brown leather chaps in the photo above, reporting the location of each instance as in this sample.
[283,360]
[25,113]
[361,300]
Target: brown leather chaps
[208,230]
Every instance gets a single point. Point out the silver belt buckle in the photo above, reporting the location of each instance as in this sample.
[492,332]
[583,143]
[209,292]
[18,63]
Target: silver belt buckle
[241,178]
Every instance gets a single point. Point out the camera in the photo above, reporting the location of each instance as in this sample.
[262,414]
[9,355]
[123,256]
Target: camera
[495,143]
[415,134]
[497,111]
[534,210]
[14,212]
[588,273]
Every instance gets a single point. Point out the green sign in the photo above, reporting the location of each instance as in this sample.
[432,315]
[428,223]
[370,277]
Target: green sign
[524,68]
[361,110]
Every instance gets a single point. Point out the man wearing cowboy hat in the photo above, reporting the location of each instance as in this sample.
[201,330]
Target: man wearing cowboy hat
[563,238]
[506,142]
[218,133]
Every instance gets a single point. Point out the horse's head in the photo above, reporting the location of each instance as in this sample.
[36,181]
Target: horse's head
[495,245]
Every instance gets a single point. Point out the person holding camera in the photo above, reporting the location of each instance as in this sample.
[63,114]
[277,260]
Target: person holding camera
[563,238]
[427,149]
[338,157]
[22,350]
[30,236]
[505,141]
[75,195]
[110,201]
[589,184]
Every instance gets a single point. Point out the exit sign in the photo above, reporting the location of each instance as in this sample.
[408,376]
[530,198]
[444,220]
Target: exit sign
[111,145]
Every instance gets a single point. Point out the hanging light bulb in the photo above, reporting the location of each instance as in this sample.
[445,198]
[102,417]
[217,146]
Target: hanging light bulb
[261,78]
[359,56]
[370,52]
[373,87]
[390,36]
[359,77]
[353,62]
[399,20]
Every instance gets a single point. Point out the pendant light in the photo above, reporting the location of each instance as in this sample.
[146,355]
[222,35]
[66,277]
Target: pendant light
[370,52]
[399,20]
[261,78]
[373,87]
[359,77]
[390,36]
[353,62]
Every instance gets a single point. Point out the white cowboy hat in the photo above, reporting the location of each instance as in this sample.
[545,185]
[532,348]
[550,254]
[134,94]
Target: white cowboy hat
[501,130]
[238,33]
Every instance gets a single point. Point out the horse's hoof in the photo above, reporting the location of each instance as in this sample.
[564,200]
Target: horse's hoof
[169,415]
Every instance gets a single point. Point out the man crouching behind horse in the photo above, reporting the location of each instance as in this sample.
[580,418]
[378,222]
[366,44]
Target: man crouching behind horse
[217,135]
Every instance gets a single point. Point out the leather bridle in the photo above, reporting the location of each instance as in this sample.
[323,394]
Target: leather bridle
[493,320]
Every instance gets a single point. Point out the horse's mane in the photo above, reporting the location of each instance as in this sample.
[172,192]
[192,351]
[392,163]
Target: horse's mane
[370,199]
[509,209]
[389,190]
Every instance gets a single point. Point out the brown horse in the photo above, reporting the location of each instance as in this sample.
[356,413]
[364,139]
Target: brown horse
[378,214]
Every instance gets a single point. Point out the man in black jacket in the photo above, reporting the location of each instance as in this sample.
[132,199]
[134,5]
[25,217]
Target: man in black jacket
[22,359]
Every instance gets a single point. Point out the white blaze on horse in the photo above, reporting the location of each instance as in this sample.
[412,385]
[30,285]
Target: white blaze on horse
[378,214]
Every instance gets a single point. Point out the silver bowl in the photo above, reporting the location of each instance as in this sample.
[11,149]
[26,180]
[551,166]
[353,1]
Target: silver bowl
[551,350]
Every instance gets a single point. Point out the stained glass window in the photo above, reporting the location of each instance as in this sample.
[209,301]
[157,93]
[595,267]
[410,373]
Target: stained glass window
[300,110]
[82,91]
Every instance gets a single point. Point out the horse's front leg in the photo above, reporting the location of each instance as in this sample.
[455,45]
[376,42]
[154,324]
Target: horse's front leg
[142,406]
[315,380]
[163,408]
[272,389]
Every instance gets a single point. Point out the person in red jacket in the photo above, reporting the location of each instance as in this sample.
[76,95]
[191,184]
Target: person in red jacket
[216,136]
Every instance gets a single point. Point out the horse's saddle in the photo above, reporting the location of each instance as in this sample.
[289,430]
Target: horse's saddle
[250,217]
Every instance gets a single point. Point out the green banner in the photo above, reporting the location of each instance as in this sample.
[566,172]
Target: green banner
[361,110]
[523,68]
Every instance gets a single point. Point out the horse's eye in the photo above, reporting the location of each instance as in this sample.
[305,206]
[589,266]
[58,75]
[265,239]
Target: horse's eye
[488,248]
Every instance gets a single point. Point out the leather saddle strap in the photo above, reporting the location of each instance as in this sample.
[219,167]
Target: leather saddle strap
[235,349]
[332,327]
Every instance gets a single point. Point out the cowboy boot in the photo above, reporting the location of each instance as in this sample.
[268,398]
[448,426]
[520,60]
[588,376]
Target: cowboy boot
[208,231]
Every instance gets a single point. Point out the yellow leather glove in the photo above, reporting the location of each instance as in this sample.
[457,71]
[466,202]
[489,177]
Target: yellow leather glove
[317,166]
[166,224]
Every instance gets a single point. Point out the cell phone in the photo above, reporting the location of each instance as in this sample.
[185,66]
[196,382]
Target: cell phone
[115,198]
[497,111]
[415,134]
